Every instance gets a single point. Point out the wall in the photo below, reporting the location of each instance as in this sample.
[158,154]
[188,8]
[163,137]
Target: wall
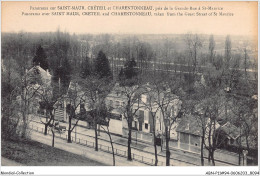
[147,137]
[189,142]
[115,126]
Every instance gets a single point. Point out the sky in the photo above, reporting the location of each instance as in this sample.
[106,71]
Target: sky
[244,21]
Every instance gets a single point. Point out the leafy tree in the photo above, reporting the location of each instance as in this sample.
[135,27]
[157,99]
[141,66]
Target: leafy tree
[86,68]
[40,58]
[101,66]
[129,71]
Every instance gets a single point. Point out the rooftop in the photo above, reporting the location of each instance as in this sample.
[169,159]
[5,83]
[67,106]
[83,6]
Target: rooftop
[188,124]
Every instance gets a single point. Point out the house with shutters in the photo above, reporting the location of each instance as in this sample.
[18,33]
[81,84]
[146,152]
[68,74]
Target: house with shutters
[142,124]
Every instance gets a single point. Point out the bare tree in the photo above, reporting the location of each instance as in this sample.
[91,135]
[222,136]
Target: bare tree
[105,120]
[210,109]
[96,90]
[194,43]
[10,90]
[227,50]
[130,108]
[168,104]
[27,98]
[75,97]
[149,104]
[212,45]
[245,118]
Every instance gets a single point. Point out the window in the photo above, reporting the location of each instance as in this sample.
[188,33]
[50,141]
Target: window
[135,125]
[184,138]
[146,126]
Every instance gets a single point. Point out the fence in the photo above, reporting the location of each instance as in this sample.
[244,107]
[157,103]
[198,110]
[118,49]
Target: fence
[105,148]
[149,161]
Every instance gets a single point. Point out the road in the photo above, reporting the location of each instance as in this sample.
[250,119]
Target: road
[100,156]
[142,152]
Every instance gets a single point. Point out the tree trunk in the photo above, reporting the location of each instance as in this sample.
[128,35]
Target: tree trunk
[111,142]
[24,124]
[129,157]
[45,129]
[69,137]
[239,157]
[99,130]
[168,154]
[209,155]
[212,158]
[247,143]
[53,136]
[155,150]
[69,131]
[201,149]
[96,137]
[154,143]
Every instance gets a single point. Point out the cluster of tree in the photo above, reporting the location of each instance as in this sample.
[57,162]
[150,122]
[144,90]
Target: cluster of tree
[82,75]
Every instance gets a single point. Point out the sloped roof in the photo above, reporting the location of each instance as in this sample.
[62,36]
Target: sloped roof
[76,88]
[188,124]
[44,75]
[231,130]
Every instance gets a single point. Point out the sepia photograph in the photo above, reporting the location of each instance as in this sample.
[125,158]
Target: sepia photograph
[94,83]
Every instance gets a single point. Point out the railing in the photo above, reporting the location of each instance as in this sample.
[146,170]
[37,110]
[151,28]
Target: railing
[118,152]
[105,148]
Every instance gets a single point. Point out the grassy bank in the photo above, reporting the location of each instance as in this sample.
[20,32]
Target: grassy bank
[32,153]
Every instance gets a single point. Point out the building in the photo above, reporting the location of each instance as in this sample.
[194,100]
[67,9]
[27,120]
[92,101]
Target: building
[189,134]
[142,124]
[38,84]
